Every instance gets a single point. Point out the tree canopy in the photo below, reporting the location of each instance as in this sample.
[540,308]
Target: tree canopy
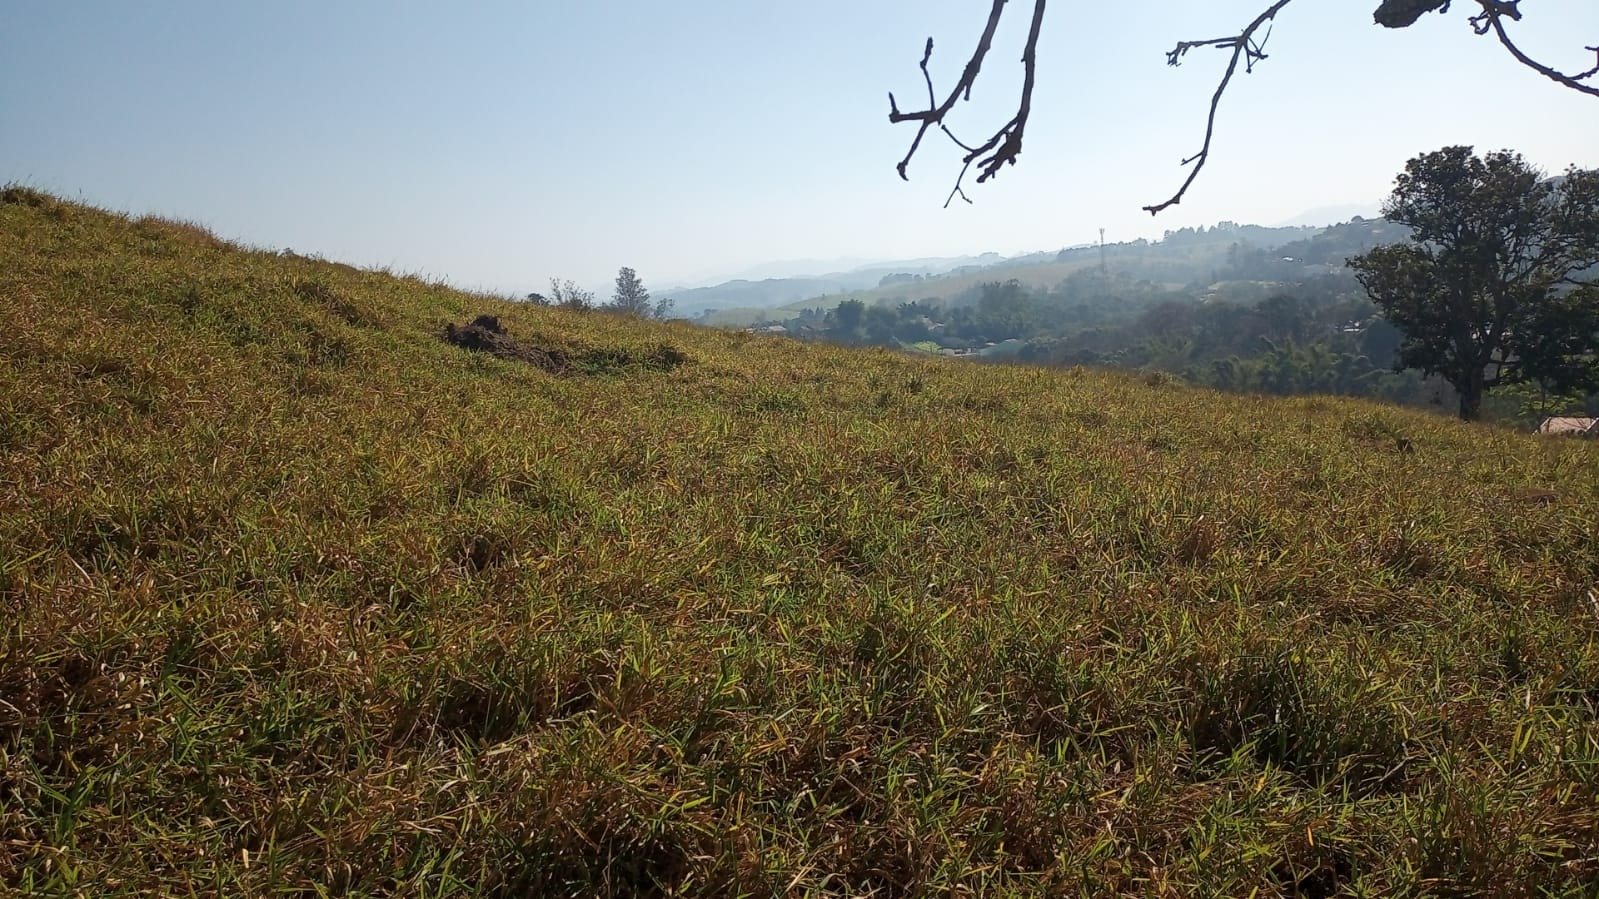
[631,297]
[1494,286]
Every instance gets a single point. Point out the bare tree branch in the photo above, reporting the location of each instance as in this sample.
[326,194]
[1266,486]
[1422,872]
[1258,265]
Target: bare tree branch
[1006,143]
[1244,47]
[1492,18]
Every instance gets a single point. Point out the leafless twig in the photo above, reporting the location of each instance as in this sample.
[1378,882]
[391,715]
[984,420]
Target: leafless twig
[1006,143]
[1244,47]
[1492,19]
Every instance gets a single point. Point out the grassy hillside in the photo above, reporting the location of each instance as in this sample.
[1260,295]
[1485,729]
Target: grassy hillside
[297,597]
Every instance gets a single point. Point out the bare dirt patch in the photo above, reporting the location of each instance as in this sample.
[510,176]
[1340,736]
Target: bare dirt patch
[485,334]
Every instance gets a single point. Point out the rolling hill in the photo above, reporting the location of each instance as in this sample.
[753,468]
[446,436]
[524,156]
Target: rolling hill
[765,293]
[323,581]
[1181,257]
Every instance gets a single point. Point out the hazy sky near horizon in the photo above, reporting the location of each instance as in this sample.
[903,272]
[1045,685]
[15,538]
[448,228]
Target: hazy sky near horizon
[498,144]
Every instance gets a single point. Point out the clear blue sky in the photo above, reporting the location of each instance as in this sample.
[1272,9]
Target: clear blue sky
[497,144]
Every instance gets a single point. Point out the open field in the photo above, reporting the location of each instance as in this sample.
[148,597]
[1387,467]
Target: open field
[297,597]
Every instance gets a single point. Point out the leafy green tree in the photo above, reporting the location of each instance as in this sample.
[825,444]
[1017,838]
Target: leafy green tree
[1490,290]
[1284,316]
[1534,403]
[879,323]
[1006,310]
[630,298]
[910,325]
[847,316]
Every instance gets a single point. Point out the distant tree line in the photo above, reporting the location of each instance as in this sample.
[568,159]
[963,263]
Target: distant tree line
[631,298]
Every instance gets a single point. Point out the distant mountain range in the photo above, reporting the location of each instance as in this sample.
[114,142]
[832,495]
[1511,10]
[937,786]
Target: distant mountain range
[788,268]
[749,293]
[769,286]
[1183,255]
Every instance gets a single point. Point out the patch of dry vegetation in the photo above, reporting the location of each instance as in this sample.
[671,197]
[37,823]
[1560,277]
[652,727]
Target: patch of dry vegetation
[298,597]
